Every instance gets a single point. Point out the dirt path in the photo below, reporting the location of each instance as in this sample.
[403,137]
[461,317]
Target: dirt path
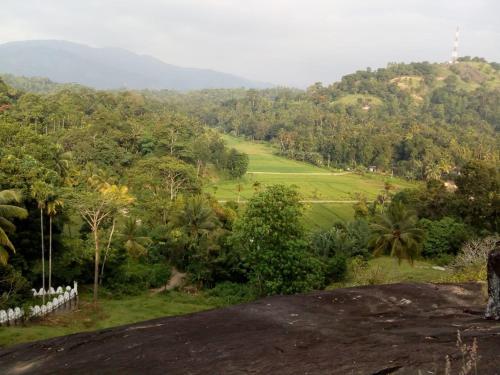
[176,280]
[386,329]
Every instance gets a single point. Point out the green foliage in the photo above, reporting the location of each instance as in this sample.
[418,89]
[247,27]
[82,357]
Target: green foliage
[273,238]
[336,268]
[395,232]
[443,238]
[133,278]
[232,293]
[9,211]
[237,163]
[200,243]
[419,121]
[478,195]
[14,288]
[340,243]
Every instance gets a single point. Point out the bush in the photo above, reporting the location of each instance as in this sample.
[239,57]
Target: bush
[470,263]
[135,278]
[232,293]
[293,270]
[14,288]
[160,275]
[443,237]
[336,268]
[349,240]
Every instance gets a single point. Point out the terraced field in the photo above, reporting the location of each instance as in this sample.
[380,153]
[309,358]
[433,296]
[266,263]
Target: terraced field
[328,195]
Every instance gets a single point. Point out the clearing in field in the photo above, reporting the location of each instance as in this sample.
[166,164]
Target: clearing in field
[328,195]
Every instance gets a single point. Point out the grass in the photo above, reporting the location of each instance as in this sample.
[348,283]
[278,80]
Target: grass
[312,187]
[262,158]
[318,216]
[314,183]
[387,270]
[110,313]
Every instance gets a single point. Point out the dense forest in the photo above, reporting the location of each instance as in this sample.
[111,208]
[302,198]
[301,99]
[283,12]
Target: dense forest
[108,186]
[417,120]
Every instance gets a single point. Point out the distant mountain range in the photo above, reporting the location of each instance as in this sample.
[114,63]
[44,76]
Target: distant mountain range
[108,68]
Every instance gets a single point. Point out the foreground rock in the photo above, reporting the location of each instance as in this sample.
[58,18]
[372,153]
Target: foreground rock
[390,329]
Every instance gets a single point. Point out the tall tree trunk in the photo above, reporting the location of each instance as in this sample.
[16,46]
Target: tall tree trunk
[43,254]
[107,249]
[96,265]
[493,308]
[50,251]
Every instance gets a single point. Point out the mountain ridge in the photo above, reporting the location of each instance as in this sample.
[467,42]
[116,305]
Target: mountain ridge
[108,67]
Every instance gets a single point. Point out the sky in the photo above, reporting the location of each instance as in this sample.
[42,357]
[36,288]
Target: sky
[285,42]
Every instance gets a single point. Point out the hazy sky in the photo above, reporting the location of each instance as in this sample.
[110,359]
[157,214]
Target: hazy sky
[290,42]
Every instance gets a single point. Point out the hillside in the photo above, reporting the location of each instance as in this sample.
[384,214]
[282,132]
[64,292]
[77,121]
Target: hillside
[108,68]
[416,80]
[420,120]
[389,329]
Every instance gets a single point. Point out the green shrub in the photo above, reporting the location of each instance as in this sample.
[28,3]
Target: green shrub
[232,293]
[350,240]
[443,237]
[160,274]
[336,268]
[134,278]
[14,288]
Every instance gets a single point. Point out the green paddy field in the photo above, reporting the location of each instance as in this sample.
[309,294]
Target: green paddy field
[328,194]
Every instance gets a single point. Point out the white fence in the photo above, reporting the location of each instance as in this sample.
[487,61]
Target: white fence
[62,297]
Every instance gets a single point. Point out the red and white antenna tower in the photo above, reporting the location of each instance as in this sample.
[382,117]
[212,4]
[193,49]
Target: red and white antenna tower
[454,54]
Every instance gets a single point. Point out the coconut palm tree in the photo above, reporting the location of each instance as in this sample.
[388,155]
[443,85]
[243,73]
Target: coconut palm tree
[63,161]
[395,232]
[7,212]
[53,204]
[196,219]
[135,244]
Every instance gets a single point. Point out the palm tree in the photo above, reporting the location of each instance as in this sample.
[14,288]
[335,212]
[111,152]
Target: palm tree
[196,219]
[134,244]
[395,231]
[40,192]
[53,203]
[63,161]
[8,211]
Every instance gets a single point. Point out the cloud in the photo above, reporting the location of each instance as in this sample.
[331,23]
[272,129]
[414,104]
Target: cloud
[292,42]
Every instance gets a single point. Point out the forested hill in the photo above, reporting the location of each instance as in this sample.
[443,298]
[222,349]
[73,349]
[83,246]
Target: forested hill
[107,68]
[418,120]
